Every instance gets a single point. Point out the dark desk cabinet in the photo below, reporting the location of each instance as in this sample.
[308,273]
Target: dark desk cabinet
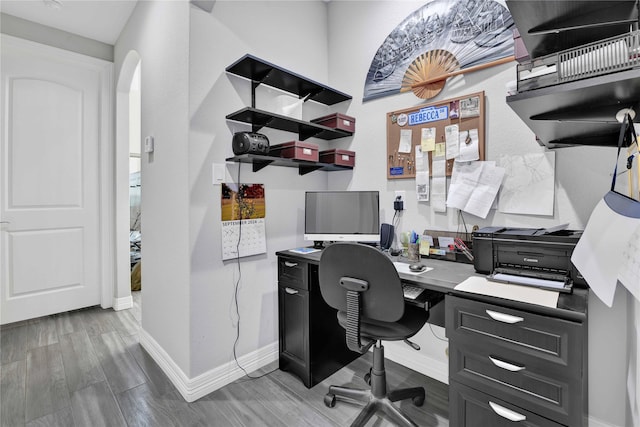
[312,344]
[508,365]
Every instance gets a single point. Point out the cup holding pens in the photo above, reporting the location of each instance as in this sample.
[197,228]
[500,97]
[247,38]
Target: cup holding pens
[404,241]
[413,252]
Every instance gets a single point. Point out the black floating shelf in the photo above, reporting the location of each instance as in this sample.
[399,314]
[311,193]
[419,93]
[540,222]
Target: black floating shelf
[260,118]
[580,112]
[263,72]
[304,167]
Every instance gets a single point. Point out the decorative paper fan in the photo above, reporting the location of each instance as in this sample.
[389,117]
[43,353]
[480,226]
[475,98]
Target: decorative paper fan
[474,32]
[432,64]
[428,73]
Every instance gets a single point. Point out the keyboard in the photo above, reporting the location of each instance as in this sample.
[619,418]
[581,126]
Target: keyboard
[411,291]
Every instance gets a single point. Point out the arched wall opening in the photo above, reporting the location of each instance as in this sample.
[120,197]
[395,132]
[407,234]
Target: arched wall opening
[127,159]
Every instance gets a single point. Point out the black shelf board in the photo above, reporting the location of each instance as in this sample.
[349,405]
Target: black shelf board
[264,72]
[260,118]
[260,161]
[581,112]
[551,26]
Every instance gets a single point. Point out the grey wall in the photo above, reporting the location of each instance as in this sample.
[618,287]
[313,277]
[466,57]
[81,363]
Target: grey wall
[28,30]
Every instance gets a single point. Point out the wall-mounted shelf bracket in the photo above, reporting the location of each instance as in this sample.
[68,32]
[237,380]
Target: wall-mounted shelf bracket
[259,161]
[260,164]
[303,170]
[272,75]
[260,118]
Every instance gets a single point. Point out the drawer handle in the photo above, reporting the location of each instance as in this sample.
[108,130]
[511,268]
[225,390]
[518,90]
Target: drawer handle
[504,365]
[290,264]
[505,318]
[290,291]
[506,413]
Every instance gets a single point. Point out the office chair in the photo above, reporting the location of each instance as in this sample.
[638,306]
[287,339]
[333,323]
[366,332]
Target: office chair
[363,285]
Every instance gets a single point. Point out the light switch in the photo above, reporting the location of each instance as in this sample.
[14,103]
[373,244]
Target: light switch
[148,144]
[218,173]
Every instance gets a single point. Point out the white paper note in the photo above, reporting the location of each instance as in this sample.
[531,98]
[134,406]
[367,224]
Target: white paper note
[452,141]
[428,139]
[598,255]
[629,274]
[422,175]
[528,294]
[470,107]
[405,141]
[439,185]
[469,150]
[529,183]
[474,187]
[403,267]
[485,193]
[464,179]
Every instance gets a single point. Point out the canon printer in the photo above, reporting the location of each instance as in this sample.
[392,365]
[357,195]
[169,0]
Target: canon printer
[528,256]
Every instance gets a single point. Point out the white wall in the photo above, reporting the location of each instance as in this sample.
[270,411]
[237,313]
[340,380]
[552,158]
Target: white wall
[356,30]
[292,35]
[159,32]
[633,385]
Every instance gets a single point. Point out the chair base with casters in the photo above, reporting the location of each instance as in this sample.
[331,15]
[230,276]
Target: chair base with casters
[377,398]
[364,287]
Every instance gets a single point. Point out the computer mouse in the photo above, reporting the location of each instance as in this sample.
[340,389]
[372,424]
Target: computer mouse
[417,267]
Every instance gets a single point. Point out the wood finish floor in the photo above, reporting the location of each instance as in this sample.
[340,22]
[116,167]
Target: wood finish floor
[87,368]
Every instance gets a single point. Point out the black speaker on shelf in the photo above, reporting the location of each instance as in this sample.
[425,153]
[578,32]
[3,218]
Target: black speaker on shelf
[250,143]
[386,236]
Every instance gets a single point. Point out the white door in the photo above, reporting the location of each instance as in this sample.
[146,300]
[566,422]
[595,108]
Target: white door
[50,186]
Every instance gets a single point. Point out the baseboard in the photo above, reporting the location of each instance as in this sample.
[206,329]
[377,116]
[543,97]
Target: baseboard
[193,389]
[401,353]
[594,422]
[122,303]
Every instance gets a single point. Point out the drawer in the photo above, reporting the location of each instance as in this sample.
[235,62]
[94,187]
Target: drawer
[472,408]
[551,339]
[537,385]
[293,272]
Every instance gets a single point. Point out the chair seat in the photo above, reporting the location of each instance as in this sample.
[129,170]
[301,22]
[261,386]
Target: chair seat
[411,322]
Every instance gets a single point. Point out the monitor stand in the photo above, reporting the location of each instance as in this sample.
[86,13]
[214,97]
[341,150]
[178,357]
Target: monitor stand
[318,244]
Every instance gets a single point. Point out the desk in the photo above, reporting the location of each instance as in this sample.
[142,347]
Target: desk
[542,357]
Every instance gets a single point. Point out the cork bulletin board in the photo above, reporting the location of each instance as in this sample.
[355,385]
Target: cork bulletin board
[426,125]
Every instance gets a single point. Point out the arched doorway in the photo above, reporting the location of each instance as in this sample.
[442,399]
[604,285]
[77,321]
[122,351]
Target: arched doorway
[128,116]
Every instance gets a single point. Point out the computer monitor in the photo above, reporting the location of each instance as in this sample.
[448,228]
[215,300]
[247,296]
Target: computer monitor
[342,216]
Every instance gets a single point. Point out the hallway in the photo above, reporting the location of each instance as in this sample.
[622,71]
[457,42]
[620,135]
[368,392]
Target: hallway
[86,368]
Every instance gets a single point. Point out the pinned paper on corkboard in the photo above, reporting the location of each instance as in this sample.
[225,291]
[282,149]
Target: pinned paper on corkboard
[452,128]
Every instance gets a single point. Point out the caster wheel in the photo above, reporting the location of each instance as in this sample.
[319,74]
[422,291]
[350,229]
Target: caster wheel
[418,400]
[367,377]
[330,400]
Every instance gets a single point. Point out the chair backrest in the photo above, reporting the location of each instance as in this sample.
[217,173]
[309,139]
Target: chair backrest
[382,301]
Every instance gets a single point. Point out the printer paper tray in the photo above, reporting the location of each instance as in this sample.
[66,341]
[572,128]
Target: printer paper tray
[553,285]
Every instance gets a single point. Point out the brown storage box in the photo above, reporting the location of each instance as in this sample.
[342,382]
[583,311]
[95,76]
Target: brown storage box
[338,157]
[296,150]
[519,49]
[337,121]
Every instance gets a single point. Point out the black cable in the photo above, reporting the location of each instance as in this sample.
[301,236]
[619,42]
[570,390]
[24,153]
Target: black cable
[394,222]
[464,223]
[434,334]
[237,285]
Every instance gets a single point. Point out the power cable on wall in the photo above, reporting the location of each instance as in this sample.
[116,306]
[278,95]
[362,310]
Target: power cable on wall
[434,334]
[237,287]
[464,224]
